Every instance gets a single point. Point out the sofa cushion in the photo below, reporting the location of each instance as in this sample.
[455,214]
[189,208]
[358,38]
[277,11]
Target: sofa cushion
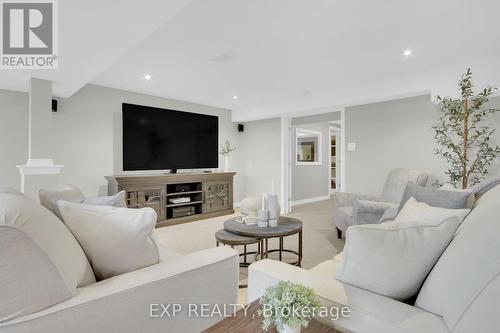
[117,200]
[468,266]
[422,212]
[436,198]
[49,198]
[389,215]
[116,240]
[29,280]
[49,233]
[393,259]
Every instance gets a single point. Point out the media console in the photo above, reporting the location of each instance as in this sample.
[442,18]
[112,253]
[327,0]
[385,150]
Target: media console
[209,194]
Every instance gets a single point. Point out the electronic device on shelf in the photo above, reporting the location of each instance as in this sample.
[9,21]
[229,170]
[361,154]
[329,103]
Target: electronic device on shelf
[183,211]
[179,200]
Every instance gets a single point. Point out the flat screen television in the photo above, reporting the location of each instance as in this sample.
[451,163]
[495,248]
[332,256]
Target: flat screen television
[161,139]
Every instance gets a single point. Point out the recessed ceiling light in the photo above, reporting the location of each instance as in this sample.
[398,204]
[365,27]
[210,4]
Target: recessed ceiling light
[235,97]
[407,52]
[147,76]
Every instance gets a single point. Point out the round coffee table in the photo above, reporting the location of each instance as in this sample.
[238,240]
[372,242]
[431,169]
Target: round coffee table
[287,226]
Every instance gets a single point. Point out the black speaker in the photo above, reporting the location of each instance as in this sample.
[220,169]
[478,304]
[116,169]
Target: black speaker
[54,105]
[241,128]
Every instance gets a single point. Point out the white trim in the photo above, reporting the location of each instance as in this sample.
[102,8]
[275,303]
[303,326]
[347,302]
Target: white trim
[286,164]
[320,146]
[338,133]
[310,200]
[343,140]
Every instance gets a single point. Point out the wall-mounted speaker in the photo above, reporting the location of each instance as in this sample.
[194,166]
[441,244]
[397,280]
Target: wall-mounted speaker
[54,105]
[241,128]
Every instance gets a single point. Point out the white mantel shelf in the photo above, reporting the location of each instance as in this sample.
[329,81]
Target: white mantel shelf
[40,166]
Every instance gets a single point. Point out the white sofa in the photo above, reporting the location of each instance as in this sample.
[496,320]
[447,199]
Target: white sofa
[461,294]
[118,304]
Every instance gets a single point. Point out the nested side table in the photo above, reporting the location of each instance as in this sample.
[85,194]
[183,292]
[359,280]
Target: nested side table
[228,238]
[287,226]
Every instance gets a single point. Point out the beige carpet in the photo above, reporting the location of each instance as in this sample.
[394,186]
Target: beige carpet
[320,241]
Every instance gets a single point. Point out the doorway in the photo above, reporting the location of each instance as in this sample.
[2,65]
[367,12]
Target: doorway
[315,159]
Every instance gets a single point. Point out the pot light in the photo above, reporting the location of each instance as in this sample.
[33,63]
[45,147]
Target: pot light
[235,97]
[147,77]
[407,52]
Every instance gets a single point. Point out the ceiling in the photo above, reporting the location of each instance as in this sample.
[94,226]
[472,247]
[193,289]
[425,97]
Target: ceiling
[277,56]
[93,34]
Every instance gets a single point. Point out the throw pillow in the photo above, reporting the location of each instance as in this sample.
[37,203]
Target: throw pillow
[29,280]
[391,258]
[49,233]
[49,198]
[435,197]
[117,200]
[422,212]
[116,240]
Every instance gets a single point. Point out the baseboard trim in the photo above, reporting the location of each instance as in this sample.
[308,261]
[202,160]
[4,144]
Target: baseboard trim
[310,200]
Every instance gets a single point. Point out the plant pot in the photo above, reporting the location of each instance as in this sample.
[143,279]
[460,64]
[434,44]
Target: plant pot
[226,163]
[291,329]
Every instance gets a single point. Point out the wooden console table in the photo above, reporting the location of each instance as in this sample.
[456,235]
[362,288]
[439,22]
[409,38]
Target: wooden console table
[210,194]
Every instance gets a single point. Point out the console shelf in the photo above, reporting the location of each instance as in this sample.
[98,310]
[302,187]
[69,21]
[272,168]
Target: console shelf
[211,194]
[184,204]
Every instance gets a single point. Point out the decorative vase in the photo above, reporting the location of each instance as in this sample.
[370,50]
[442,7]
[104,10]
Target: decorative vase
[291,329]
[226,163]
[263,217]
[274,209]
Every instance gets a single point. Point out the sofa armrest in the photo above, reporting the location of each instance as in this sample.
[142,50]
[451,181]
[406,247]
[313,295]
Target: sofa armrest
[344,199]
[370,312]
[370,212]
[123,303]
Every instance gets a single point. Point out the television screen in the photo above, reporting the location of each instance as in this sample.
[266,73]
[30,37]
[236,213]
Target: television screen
[161,139]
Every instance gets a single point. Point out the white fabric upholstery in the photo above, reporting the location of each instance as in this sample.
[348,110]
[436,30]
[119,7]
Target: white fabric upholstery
[122,303]
[370,313]
[116,240]
[50,234]
[422,212]
[117,200]
[461,294]
[29,281]
[365,209]
[393,259]
[463,286]
[49,198]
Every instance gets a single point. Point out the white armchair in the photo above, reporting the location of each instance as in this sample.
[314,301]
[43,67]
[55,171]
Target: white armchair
[354,209]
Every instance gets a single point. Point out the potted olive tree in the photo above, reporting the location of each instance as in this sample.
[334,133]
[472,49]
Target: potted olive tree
[463,134]
[288,306]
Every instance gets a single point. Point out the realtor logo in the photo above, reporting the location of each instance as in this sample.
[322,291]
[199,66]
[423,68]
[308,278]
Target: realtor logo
[29,34]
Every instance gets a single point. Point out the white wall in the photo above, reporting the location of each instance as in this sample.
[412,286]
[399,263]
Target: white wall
[260,157]
[311,181]
[85,136]
[13,136]
[394,134]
